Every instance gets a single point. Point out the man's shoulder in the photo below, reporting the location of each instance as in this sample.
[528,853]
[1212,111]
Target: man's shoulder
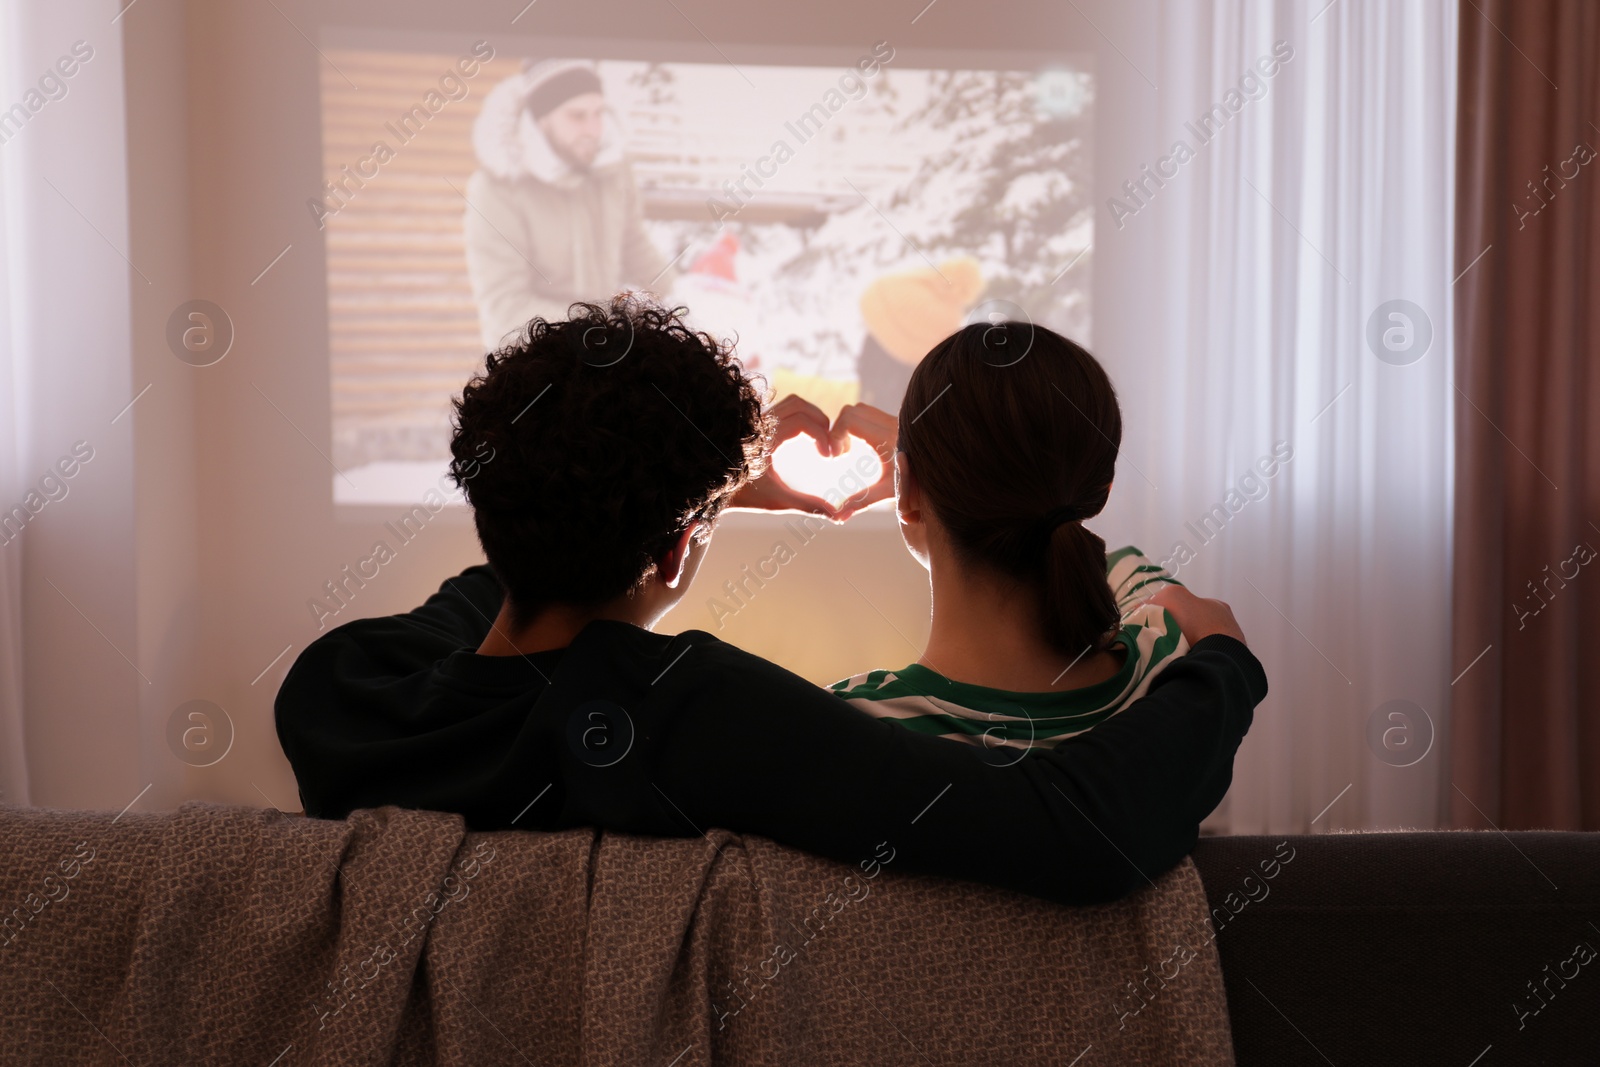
[351,634]
[708,651]
[617,172]
[491,194]
[486,185]
[716,665]
[377,646]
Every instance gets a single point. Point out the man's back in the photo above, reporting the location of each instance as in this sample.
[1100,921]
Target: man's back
[672,735]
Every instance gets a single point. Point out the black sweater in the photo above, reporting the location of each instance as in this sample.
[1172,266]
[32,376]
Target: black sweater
[672,735]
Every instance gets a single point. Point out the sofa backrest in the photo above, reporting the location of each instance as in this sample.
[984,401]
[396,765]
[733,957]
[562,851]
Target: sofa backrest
[238,935]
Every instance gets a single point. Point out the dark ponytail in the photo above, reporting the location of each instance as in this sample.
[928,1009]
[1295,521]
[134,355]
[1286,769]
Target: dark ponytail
[1078,608]
[1013,453]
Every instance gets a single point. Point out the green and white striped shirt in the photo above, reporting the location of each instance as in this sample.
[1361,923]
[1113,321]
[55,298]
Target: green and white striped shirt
[922,699]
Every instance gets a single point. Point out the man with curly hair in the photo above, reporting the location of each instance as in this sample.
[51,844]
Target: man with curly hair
[531,693]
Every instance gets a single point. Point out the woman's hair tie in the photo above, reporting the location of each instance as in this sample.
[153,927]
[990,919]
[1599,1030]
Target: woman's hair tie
[1056,516]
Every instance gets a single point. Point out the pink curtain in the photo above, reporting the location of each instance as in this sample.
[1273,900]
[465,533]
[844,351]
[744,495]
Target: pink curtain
[1525,723]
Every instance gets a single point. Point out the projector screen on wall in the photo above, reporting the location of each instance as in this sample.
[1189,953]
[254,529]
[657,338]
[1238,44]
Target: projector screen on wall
[837,219]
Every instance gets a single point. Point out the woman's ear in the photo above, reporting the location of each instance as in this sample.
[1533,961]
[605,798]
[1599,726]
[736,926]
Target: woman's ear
[909,505]
[907,493]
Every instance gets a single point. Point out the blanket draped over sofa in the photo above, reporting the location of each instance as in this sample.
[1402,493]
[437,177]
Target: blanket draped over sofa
[235,935]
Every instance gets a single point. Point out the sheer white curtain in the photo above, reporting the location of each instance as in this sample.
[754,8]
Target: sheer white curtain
[13,430]
[1237,323]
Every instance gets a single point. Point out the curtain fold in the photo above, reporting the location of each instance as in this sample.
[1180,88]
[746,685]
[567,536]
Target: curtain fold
[1247,311]
[1526,725]
[13,429]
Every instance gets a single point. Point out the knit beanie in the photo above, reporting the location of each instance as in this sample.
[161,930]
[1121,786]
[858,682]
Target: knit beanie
[555,81]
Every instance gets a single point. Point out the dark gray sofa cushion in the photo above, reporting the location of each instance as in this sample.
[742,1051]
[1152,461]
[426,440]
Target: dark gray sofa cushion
[1451,947]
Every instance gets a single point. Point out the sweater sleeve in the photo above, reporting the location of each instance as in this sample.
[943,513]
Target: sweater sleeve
[463,609]
[1094,818]
[459,615]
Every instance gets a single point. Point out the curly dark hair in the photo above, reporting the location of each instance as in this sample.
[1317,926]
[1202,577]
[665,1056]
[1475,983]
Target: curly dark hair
[588,445]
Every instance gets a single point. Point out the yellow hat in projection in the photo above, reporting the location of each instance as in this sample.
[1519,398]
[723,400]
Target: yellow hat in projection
[914,310]
[829,394]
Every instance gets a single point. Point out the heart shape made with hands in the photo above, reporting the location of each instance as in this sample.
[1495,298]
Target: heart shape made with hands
[802,467]
[841,468]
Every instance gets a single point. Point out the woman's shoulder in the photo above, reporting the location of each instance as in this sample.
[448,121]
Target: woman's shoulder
[1134,577]
[874,684]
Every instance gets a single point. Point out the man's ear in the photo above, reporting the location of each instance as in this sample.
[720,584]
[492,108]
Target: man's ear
[669,567]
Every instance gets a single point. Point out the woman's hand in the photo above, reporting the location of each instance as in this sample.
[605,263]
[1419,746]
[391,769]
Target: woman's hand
[877,428]
[1198,617]
[796,415]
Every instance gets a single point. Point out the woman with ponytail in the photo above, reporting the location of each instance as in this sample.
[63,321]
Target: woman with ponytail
[1007,443]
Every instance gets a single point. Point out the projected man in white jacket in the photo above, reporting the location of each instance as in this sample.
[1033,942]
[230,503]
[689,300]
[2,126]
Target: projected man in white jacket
[553,213]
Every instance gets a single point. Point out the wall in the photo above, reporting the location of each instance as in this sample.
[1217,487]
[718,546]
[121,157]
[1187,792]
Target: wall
[269,535]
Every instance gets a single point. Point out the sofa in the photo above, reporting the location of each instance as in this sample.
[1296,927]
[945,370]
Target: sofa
[1447,947]
[221,934]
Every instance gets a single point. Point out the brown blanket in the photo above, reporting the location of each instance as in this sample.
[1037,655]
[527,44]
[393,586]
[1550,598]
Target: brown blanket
[227,935]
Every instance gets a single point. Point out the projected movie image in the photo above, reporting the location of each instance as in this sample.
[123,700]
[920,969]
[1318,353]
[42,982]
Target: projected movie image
[837,220]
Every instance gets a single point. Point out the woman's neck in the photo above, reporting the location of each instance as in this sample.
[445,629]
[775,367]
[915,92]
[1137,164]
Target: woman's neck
[985,632]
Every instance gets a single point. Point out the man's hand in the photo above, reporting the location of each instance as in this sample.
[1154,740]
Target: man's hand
[1198,617]
[796,416]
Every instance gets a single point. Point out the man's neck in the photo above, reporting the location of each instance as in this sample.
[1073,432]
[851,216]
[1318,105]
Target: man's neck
[555,626]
